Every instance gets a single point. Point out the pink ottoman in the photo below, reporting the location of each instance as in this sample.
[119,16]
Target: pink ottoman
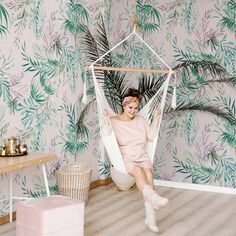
[50,216]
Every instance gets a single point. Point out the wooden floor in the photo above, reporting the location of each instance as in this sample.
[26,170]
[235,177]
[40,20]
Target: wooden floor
[190,213]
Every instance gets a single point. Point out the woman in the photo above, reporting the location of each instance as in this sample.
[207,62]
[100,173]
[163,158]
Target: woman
[132,133]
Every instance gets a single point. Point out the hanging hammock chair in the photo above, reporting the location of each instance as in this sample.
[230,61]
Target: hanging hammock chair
[157,101]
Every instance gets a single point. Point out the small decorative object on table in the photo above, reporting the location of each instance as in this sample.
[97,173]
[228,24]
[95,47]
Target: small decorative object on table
[13,147]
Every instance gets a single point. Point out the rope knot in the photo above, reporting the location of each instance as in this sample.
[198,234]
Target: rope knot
[134,21]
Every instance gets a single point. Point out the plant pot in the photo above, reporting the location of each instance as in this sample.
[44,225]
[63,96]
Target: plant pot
[122,181]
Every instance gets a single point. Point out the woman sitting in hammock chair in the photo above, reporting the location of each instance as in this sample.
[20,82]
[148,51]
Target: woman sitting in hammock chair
[132,132]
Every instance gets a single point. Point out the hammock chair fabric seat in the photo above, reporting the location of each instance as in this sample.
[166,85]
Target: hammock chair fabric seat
[157,101]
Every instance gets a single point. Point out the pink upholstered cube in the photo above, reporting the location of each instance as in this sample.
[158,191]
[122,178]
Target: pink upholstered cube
[50,216]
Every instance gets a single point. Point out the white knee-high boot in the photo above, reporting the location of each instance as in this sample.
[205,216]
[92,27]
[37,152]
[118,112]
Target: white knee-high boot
[150,220]
[156,200]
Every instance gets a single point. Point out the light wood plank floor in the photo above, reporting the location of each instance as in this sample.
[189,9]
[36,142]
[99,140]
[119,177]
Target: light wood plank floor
[190,213]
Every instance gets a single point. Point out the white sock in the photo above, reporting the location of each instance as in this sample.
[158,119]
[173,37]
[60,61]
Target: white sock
[150,220]
[153,197]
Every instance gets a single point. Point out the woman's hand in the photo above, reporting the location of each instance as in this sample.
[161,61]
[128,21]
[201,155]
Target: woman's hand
[156,120]
[157,112]
[106,114]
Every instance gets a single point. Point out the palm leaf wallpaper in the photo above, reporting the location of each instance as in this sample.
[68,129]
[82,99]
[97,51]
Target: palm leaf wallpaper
[45,47]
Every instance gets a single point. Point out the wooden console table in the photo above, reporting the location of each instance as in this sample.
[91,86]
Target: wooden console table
[10,164]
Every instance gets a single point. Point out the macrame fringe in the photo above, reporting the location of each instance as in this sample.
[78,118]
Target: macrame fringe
[173,102]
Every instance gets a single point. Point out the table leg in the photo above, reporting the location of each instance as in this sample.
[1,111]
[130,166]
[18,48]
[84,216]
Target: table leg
[10,196]
[45,179]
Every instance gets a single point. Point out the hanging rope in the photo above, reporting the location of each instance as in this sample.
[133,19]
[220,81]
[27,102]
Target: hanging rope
[135,8]
[134,21]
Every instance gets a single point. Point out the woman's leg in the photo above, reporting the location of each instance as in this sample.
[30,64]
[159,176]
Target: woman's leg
[150,220]
[150,213]
[141,182]
[143,176]
[149,176]
[140,177]
[150,194]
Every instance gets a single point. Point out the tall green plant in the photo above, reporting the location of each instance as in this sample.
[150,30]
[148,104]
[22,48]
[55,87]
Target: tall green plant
[94,46]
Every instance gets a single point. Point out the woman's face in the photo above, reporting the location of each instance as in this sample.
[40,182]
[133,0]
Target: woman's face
[131,109]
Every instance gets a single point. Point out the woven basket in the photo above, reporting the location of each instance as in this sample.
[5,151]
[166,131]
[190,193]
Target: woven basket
[73,181]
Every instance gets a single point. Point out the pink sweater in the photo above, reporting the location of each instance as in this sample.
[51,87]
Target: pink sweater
[132,137]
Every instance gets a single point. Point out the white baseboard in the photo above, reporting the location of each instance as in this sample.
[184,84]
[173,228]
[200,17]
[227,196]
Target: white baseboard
[199,187]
